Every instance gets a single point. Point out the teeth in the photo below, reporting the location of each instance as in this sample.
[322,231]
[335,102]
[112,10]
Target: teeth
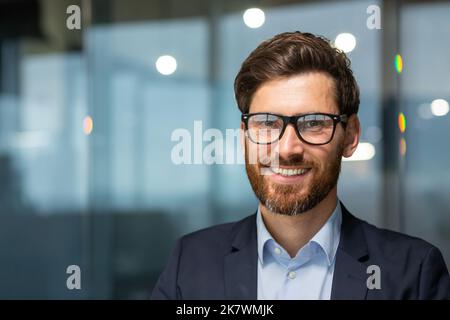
[289,172]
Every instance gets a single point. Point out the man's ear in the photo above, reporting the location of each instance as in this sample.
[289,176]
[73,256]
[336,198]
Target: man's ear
[242,138]
[352,134]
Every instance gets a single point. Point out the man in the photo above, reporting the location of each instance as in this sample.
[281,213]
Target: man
[299,103]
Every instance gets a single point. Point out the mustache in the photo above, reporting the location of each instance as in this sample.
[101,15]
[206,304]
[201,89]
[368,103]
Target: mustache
[292,161]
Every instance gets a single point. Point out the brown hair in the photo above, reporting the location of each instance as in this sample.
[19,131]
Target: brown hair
[293,53]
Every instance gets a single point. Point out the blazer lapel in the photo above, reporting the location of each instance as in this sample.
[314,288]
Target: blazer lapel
[350,277]
[240,265]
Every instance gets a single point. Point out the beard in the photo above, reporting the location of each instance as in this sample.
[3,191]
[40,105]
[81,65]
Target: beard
[287,199]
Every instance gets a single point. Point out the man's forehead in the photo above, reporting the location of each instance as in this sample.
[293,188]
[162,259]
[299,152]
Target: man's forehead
[300,94]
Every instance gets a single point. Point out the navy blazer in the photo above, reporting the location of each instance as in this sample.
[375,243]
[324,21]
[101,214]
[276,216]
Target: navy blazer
[221,263]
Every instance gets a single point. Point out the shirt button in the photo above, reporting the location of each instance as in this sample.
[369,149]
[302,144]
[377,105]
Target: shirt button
[277,250]
[291,275]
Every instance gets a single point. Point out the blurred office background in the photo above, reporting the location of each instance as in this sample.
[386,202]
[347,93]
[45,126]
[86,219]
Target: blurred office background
[86,121]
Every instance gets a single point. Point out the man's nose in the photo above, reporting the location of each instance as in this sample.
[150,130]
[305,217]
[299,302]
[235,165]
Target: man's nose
[290,143]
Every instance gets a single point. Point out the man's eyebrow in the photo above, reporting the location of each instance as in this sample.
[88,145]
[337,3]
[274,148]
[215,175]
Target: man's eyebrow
[307,113]
[294,115]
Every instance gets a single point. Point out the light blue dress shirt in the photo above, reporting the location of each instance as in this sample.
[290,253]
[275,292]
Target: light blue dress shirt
[309,275]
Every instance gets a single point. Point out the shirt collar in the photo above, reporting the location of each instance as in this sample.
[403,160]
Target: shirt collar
[263,235]
[327,238]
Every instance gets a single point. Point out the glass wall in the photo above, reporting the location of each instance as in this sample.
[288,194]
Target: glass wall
[425,90]
[43,153]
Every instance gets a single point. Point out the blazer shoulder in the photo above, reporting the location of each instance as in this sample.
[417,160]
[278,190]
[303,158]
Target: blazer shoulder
[394,242]
[412,268]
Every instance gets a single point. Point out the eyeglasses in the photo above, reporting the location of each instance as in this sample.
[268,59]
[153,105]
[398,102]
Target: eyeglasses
[313,128]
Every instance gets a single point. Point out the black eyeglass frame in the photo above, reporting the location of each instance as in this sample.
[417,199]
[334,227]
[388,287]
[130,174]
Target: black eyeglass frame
[337,118]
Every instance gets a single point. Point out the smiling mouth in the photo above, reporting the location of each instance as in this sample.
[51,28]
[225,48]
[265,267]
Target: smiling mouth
[289,172]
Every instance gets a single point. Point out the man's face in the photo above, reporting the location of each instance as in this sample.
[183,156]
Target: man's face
[286,193]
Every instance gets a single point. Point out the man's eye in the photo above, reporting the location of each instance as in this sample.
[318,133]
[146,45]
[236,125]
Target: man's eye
[313,124]
[268,123]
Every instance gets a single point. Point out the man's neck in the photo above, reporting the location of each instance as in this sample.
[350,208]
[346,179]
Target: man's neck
[293,232]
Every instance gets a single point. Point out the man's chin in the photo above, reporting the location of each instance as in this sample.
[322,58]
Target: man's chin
[284,196]
[293,190]
[287,208]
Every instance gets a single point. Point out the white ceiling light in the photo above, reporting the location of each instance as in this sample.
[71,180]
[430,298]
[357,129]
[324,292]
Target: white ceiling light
[439,107]
[345,42]
[254,18]
[364,151]
[166,65]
